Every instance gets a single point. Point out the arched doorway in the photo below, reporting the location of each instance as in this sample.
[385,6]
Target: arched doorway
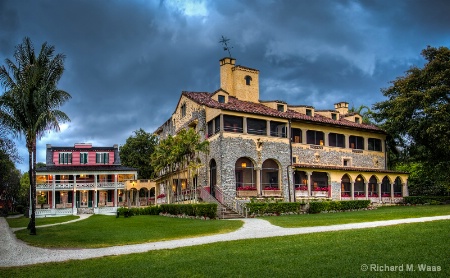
[373,188]
[270,179]
[386,187]
[212,176]
[359,191]
[345,186]
[398,187]
[245,173]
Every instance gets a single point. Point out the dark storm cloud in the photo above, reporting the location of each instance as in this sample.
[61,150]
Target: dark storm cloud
[128,61]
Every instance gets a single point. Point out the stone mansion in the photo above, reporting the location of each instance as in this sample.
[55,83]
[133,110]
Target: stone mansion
[274,149]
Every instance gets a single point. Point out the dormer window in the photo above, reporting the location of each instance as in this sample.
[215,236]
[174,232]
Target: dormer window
[308,112]
[333,116]
[247,80]
[357,120]
[221,98]
[280,107]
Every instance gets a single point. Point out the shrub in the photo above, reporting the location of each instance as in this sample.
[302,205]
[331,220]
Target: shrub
[275,208]
[201,210]
[316,207]
[420,200]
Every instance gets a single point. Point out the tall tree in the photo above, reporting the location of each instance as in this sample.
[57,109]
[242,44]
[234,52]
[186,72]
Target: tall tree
[417,115]
[136,152]
[31,102]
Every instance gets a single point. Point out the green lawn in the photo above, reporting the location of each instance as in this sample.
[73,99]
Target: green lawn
[382,213]
[23,222]
[101,231]
[330,254]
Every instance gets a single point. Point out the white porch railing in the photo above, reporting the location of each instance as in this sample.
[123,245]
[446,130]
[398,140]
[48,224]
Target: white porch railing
[62,211]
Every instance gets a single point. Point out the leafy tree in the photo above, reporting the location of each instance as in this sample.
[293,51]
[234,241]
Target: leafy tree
[417,115]
[365,113]
[29,107]
[137,152]
[9,181]
[24,192]
[181,152]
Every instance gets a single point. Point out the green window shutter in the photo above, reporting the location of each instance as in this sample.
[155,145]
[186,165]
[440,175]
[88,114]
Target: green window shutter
[105,158]
[97,158]
[86,158]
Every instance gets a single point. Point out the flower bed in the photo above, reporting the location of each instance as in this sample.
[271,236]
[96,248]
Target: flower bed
[271,191]
[246,191]
[325,188]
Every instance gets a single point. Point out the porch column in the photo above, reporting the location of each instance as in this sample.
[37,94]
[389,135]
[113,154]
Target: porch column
[309,174]
[221,122]
[258,181]
[116,199]
[74,197]
[352,190]
[304,136]
[405,189]
[366,187]
[244,125]
[379,192]
[94,203]
[53,193]
[392,191]
[268,128]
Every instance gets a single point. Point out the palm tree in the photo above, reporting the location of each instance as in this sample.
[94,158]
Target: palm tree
[367,116]
[30,104]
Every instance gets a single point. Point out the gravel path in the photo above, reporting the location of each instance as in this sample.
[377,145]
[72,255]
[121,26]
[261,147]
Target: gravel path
[16,253]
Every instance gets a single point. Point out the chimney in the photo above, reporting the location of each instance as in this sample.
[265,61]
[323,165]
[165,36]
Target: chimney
[341,107]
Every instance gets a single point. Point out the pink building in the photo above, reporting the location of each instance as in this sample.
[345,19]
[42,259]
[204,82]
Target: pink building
[82,179]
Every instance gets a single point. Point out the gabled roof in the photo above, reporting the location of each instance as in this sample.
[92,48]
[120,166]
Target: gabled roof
[237,105]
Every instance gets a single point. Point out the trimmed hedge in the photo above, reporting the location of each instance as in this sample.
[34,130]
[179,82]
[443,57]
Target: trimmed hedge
[201,210]
[316,207]
[275,208]
[420,200]
[152,210]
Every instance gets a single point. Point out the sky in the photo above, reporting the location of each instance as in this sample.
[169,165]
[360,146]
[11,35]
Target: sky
[128,61]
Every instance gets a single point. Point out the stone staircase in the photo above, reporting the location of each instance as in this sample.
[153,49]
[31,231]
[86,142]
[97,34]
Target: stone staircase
[227,213]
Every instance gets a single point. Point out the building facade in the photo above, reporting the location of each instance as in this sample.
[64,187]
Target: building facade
[85,179]
[273,149]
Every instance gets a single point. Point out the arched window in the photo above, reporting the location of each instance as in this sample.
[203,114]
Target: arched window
[248,79]
[270,176]
[360,190]
[345,186]
[245,174]
[373,187]
[212,173]
[398,187]
[386,187]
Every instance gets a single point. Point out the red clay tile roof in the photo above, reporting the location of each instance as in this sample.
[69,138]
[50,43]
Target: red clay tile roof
[237,105]
[349,169]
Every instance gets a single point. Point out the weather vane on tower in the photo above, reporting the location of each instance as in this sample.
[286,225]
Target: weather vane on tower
[225,45]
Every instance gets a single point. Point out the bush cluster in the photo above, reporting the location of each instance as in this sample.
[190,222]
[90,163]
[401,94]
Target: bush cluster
[201,210]
[316,207]
[152,210]
[273,208]
[420,200]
